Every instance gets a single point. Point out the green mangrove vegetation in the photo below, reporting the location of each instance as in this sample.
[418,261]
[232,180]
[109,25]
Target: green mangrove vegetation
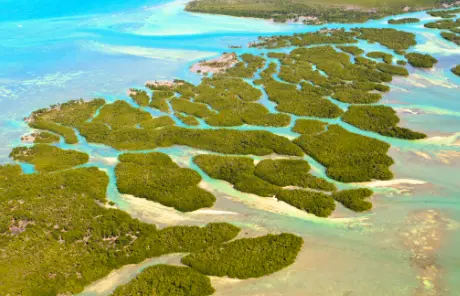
[354,50]
[309,126]
[187,119]
[406,20]
[49,158]
[167,280]
[390,38]
[268,178]
[444,13]
[139,96]
[451,37]
[236,170]
[456,70]
[350,11]
[421,60]
[354,199]
[317,203]
[156,177]
[379,119]
[264,179]
[348,157]
[290,172]
[247,257]
[387,58]
[44,138]
[68,240]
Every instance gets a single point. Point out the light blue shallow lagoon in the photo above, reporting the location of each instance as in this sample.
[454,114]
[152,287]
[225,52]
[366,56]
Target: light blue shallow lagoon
[53,51]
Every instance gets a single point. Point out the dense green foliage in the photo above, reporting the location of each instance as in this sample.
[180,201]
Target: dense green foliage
[247,257]
[140,96]
[60,118]
[350,11]
[443,24]
[387,58]
[268,178]
[49,158]
[456,70]
[167,280]
[354,50]
[392,69]
[444,13]
[45,138]
[407,20]
[379,119]
[348,157]
[309,126]
[353,199]
[66,132]
[451,37]
[421,60]
[238,171]
[391,38]
[290,172]
[57,238]
[156,177]
[317,203]
[187,119]
[338,36]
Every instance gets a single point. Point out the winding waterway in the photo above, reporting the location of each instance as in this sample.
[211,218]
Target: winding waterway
[55,55]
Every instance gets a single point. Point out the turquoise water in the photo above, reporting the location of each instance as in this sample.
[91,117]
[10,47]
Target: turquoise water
[52,52]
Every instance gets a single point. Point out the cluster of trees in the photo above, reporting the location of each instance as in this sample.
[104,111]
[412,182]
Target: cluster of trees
[354,50]
[338,71]
[45,138]
[248,257]
[338,36]
[348,157]
[187,119]
[443,24]
[67,240]
[451,37]
[391,38]
[139,96]
[167,280]
[238,171]
[303,103]
[456,70]
[119,115]
[268,178]
[451,25]
[309,126]
[290,172]
[387,58]
[379,119]
[66,132]
[324,11]
[354,199]
[49,158]
[246,68]
[444,13]
[407,20]
[156,177]
[421,60]
[317,203]
[60,118]
[159,100]
[392,69]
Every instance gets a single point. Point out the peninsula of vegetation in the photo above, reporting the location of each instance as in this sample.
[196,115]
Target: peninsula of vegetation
[316,11]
